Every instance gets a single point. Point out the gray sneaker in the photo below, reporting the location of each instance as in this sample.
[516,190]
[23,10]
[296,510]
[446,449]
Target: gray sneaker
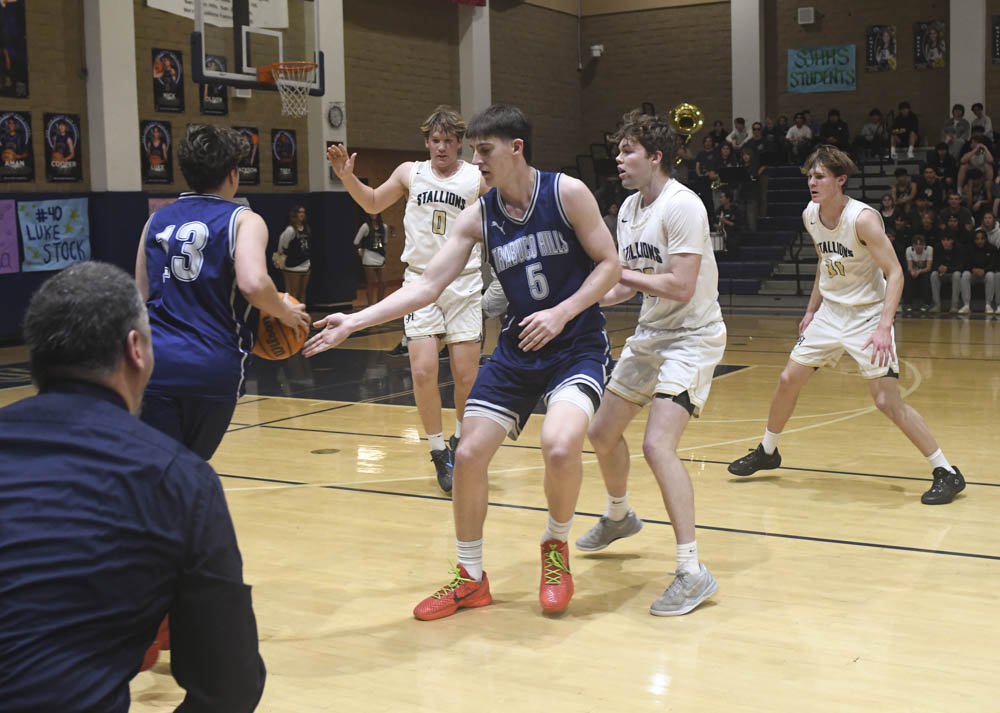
[685,593]
[607,531]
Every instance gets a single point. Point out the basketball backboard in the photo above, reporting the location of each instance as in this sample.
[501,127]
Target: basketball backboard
[233,38]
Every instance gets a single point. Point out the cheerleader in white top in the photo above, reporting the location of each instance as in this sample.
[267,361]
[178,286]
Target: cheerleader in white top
[853,303]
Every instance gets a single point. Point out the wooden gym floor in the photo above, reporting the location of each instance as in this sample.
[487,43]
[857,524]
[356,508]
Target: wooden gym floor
[838,590]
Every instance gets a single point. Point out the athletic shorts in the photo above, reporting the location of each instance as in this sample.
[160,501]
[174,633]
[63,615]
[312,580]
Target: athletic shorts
[506,391]
[669,362]
[198,423]
[837,328]
[457,313]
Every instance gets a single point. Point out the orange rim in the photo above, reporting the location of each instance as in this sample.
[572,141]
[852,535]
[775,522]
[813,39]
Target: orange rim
[270,73]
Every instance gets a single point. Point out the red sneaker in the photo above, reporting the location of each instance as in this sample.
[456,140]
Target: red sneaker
[461,591]
[557,582]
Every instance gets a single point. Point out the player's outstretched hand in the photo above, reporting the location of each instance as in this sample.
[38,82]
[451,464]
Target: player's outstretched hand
[883,350]
[295,317]
[334,331]
[540,328]
[341,161]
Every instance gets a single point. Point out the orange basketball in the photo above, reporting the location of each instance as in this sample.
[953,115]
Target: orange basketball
[8,155]
[155,160]
[56,156]
[274,339]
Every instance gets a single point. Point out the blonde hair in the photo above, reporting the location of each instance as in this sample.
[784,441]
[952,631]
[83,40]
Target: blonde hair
[446,120]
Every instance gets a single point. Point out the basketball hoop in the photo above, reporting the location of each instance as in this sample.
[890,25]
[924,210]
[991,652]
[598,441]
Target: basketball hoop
[294,80]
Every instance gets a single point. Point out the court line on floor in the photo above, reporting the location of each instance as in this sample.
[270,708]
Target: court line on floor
[712,528]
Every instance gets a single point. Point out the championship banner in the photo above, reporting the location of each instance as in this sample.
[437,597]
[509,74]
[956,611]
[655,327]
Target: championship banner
[63,157]
[249,165]
[14,57]
[55,234]
[157,162]
[17,159]
[822,69]
[9,260]
[213,99]
[284,157]
[880,48]
[168,80]
[929,51]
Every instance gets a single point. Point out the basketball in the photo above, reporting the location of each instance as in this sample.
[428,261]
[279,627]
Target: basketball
[8,155]
[155,160]
[56,156]
[274,339]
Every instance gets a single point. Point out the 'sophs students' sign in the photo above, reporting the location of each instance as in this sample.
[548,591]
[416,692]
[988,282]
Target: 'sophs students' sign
[822,69]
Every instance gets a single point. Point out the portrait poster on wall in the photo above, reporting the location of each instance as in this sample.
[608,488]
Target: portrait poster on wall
[214,98]
[284,157]
[157,162]
[168,80]
[17,159]
[63,153]
[249,165]
[929,50]
[13,50]
[880,48]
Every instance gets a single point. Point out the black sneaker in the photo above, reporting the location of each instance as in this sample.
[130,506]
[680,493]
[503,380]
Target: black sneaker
[399,350]
[946,486]
[453,444]
[755,460]
[444,464]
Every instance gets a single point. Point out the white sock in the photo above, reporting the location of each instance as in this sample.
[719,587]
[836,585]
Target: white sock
[770,442]
[557,530]
[458,429]
[470,556]
[437,441]
[687,558]
[617,507]
[937,460]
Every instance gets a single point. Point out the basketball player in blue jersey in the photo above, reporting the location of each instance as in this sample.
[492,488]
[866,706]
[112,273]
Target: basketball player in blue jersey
[436,192]
[851,308]
[201,265]
[554,257]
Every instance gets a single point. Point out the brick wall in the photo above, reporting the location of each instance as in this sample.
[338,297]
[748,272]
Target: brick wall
[155,28]
[843,24]
[662,56]
[533,60]
[400,64]
[55,83]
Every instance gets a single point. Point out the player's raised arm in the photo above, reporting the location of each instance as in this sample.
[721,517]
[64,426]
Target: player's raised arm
[372,200]
[441,271]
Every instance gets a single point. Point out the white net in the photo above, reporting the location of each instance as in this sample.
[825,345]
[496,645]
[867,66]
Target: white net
[293,80]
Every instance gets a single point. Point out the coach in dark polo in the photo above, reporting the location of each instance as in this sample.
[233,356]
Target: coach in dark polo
[106,524]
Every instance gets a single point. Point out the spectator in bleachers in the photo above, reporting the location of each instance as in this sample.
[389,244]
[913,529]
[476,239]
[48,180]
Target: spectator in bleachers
[976,195]
[611,220]
[747,191]
[956,130]
[835,132]
[873,137]
[978,157]
[931,188]
[944,164]
[707,159]
[928,228]
[992,229]
[887,207]
[739,135]
[980,119]
[726,217]
[718,133]
[905,131]
[799,138]
[904,191]
[978,133]
[955,207]
[954,229]
[783,126]
[982,268]
[917,275]
[900,227]
[950,261]
[812,123]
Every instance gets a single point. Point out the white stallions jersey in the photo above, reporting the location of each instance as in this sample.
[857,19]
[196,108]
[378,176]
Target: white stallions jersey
[676,222]
[432,206]
[848,274]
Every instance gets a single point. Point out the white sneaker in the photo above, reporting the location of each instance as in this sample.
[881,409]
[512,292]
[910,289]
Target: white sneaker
[892,152]
[964,309]
[607,531]
[909,152]
[685,593]
[989,308]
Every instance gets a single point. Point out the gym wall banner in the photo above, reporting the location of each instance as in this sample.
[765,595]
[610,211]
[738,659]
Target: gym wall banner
[822,69]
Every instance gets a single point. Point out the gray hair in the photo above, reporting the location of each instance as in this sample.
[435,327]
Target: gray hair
[78,320]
